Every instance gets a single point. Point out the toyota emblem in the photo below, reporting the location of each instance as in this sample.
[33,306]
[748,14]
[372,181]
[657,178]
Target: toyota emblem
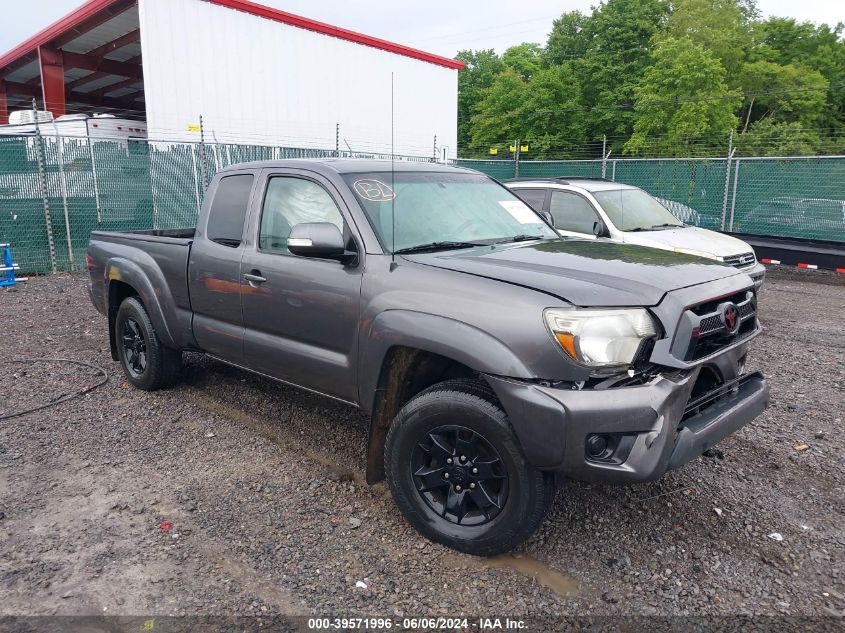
[730,317]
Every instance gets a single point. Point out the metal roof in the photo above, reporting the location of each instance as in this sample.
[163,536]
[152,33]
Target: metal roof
[126,20]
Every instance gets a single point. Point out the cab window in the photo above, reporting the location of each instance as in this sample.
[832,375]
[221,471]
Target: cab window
[290,201]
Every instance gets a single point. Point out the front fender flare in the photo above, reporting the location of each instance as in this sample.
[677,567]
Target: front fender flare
[456,340]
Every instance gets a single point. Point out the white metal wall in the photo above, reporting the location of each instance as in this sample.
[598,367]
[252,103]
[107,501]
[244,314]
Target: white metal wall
[258,81]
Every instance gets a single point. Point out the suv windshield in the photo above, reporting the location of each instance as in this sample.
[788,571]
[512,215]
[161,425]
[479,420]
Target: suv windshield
[634,210]
[443,210]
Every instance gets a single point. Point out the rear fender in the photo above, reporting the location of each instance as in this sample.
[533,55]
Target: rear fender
[151,288]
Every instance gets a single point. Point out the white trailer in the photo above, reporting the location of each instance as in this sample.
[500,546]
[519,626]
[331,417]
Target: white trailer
[95,127]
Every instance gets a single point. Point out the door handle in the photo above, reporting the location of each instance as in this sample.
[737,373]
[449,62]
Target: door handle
[254,279]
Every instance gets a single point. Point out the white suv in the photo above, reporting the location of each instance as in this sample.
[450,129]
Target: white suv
[603,210]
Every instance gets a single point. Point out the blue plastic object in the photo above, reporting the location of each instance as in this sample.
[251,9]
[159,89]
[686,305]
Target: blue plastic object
[7,270]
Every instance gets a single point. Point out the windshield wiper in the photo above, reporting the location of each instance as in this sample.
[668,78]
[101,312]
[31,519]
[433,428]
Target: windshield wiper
[519,238]
[436,245]
[665,225]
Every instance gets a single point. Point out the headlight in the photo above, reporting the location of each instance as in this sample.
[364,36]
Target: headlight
[601,338]
[692,251]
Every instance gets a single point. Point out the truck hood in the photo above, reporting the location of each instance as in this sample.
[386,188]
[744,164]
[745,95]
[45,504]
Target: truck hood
[690,238]
[584,272]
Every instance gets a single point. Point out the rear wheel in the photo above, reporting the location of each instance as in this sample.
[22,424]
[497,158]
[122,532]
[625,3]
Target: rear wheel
[457,471]
[146,362]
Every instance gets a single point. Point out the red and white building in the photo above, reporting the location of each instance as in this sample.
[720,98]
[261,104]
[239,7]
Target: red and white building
[256,75]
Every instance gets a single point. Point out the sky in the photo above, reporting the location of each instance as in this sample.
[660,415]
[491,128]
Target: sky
[438,26]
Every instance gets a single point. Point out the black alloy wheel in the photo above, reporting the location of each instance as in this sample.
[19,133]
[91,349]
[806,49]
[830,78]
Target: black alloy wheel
[457,471]
[460,475]
[146,362]
[134,347]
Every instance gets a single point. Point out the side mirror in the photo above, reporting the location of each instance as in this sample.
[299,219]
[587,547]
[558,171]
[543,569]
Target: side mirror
[547,217]
[318,239]
[598,229]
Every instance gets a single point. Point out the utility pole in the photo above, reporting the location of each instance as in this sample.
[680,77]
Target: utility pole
[434,153]
[337,139]
[516,160]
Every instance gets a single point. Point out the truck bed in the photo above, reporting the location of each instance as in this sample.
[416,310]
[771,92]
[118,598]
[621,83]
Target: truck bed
[155,263]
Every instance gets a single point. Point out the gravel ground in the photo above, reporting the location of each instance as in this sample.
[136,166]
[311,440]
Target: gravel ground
[264,488]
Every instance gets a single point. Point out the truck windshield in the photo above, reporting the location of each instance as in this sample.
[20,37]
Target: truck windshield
[443,210]
[635,210]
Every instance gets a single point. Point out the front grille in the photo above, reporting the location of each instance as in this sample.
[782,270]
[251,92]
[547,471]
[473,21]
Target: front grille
[742,260]
[712,332]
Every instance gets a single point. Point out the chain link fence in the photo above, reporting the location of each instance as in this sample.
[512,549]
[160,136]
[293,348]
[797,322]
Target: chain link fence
[54,191]
[793,197]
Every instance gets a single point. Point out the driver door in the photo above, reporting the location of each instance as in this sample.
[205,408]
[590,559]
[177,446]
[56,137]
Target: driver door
[574,215]
[301,314]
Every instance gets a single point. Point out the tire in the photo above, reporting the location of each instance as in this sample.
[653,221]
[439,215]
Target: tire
[146,362]
[464,415]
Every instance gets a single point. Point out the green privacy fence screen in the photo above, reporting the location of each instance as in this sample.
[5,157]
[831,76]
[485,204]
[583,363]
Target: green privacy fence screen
[47,212]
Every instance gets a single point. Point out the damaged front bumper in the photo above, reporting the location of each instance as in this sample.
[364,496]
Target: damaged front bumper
[627,434]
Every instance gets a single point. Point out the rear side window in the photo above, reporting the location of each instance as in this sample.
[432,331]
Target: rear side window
[228,210]
[534,198]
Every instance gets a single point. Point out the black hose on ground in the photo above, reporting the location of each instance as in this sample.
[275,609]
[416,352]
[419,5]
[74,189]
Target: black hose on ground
[65,398]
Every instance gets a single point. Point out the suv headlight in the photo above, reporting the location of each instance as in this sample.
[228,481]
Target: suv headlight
[601,338]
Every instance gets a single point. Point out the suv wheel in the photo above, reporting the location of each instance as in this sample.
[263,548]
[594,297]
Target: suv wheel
[458,474]
[147,363]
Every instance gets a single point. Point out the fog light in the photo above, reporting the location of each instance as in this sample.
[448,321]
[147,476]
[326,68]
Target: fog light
[596,445]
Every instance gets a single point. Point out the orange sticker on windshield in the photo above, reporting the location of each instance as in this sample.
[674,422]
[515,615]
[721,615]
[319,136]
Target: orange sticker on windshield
[374,190]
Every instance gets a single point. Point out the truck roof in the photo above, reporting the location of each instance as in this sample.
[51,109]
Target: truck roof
[349,165]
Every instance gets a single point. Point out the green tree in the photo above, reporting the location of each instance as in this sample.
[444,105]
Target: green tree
[554,123]
[822,48]
[618,36]
[785,93]
[771,138]
[720,26]
[682,101]
[524,59]
[498,117]
[787,41]
[567,41]
[480,72]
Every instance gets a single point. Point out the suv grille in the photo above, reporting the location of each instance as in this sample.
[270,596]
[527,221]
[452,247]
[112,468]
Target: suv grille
[742,260]
[715,328]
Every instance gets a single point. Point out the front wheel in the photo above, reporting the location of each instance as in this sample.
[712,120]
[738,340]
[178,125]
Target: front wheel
[146,362]
[458,474]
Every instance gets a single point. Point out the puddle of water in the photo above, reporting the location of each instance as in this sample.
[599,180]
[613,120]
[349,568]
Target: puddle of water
[559,583]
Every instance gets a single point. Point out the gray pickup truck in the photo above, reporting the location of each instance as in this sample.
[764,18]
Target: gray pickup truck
[489,353]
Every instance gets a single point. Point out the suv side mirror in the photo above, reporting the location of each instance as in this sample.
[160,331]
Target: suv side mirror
[547,217]
[318,239]
[599,229]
